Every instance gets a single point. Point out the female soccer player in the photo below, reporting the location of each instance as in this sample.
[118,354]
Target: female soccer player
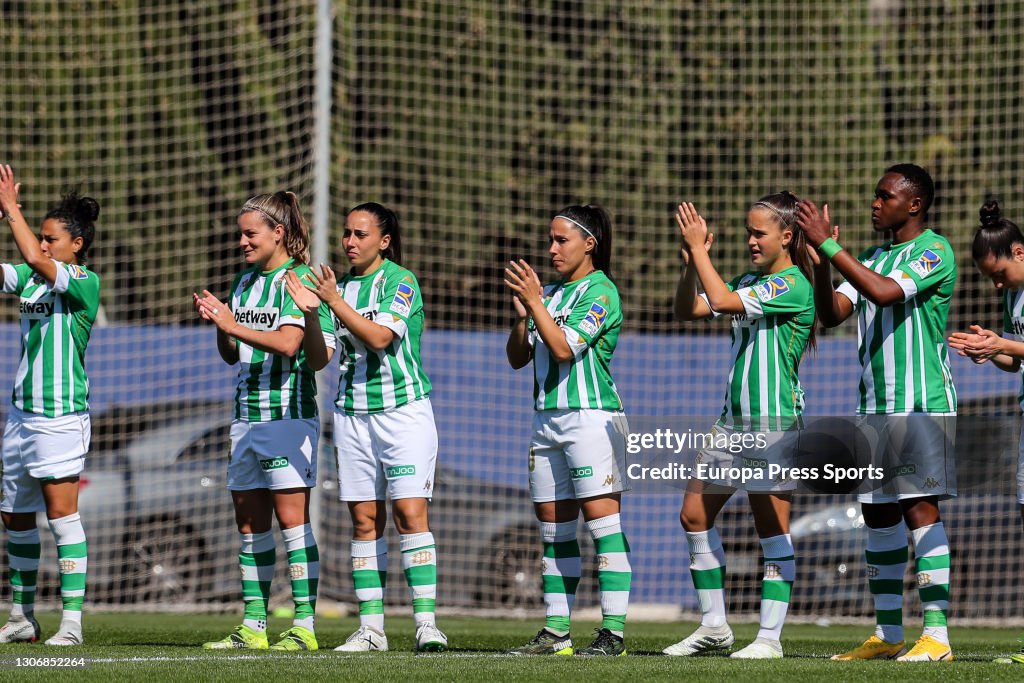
[48,430]
[772,312]
[900,291]
[998,251]
[383,423]
[274,433]
[577,454]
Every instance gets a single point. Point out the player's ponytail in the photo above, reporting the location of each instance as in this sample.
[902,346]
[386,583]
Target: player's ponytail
[387,222]
[282,208]
[996,236]
[78,214]
[592,220]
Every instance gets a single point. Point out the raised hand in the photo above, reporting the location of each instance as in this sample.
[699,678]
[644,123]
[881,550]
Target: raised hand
[817,225]
[693,229]
[212,309]
[524,283]
[9,189]
[303,293]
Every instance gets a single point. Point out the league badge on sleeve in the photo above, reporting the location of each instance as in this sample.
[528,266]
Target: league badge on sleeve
[402,303]
[77,272]
[775,287]
[594,318]
[928,262]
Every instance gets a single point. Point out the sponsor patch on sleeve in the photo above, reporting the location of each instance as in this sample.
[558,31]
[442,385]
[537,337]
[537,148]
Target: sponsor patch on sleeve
[594,318]
[928,262]
[77,272]
[402,303]
[775,287]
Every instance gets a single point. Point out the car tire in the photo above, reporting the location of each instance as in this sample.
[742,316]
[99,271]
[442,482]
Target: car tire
[513,579]
[167,564]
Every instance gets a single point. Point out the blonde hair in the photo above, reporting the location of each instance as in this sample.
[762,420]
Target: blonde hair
[283,208]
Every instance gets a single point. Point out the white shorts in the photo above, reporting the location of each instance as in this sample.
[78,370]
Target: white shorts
[391,454]
[577,454]
[915,452]
[279,454]
[745,464]
[37,448]
[1020,468]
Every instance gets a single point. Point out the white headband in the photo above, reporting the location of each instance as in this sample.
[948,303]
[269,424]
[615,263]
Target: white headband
[578,225]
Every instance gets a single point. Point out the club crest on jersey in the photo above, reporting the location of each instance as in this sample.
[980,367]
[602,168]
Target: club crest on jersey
[928,262]
[402,303]
[594,318]
[77,272]
[775,287]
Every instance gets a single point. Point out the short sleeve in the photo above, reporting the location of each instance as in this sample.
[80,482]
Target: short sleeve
[780,294]
[400,300]
[925,267]
[14,278]
[291,314]
[81,286]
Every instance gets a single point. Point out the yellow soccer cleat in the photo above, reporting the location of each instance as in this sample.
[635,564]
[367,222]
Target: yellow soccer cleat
[873,648]
[242,638]
[927,649]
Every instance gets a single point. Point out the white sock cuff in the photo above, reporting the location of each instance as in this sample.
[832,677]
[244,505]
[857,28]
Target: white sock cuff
[298,537]
[930,540]
[414,541]
[777,546]
[262,542]
[888,538]
[68,530]
[704,541]
[557,532]
[605,526]
[28,536]
[372,548]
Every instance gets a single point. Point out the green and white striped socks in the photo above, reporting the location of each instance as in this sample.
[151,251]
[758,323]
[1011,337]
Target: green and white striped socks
[370,576]
[23,559]
[304,571]
[73,562]
[776,584]
[707,568]
[886,557]
[560,570]
[931,548]
[614,574]
[419,563]
[257,558]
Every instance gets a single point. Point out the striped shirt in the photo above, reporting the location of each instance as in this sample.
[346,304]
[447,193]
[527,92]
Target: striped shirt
[1013,324]
[375,381]
[768,340]
[590,316]
[56,321]
[272,386]
[902,350]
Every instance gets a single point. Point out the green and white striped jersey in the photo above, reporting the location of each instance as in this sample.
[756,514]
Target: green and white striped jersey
[55,325]
[590,315]
[903,347]
[376,381]
[1013,324]
[768,341]
[272,386]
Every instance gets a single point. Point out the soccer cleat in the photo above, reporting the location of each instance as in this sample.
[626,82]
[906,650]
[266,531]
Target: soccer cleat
[873,648]
[69,633]
[242,638]
[761,648]
[545,643]
[365,639]
[704,640]
[606,644]
[1016,658]
[295,639]
[927,649]
[23,630]
[430,639]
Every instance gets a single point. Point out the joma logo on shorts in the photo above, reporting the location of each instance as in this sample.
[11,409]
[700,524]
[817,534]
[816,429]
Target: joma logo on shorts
[274,464]
[581,472]
[400,471]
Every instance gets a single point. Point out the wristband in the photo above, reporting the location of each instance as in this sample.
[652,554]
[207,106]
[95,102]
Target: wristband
[829,248]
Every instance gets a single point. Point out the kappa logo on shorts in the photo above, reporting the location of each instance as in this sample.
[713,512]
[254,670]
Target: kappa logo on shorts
[533,459]
[928,262]
[273,464]
[400,471]
[402,303]
[609,480]
[581,472]
[930,483]
[594,319]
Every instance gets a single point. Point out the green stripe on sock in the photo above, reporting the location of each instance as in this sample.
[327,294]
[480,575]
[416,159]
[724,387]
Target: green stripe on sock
[882,586]
[889,617]
[557,623]
[255,609]
[422,605]
[424,575]
[614,581]
[934,617]
[614,622]
[561,584]
[72,582]
[562,549]
[30,551]
[73,550]
[886,557]
[931,563]
[612,543]
[307,555]
[24,577]
[369,578]
[73,604]
[708,578]
[779,591]
[938,593]
[371,607]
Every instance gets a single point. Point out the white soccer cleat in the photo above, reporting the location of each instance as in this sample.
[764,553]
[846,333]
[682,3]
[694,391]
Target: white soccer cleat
[761,648]
[23,630]
[430,639]
[705,639]
[365,639]
[69,633]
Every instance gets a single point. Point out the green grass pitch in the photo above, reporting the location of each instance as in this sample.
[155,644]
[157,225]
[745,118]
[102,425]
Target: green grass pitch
[165,647]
